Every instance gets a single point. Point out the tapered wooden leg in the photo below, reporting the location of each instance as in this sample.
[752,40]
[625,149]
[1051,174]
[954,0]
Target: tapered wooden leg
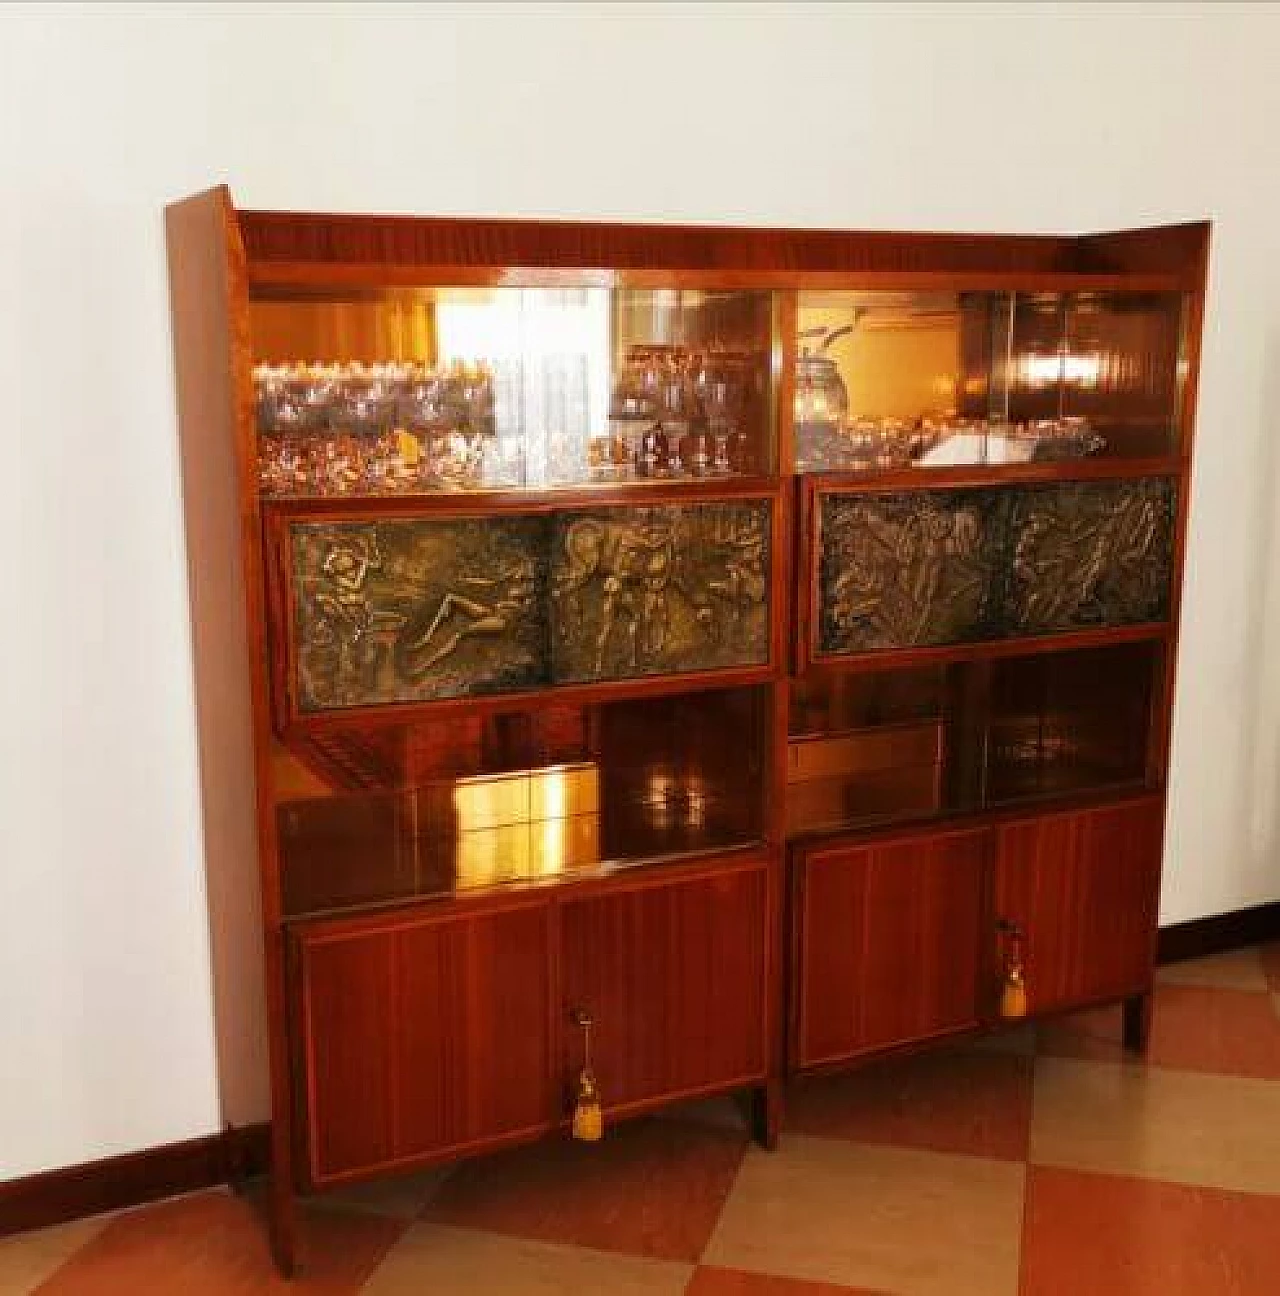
[1137,1022]
[766,1113]
[283,1219]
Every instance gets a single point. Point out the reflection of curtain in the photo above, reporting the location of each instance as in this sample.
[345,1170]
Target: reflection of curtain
[549,350]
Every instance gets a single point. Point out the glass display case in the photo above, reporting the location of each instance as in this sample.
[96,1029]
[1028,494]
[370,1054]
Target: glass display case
[404,392]
[894,380]
[373,814]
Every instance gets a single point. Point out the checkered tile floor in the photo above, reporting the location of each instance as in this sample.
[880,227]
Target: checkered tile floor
[1044,1162]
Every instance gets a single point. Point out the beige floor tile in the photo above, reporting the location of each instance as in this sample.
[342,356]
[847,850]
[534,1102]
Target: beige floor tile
[27,1259]
[1237,970]
[1191,1128]
[893,1219]
[438,1259]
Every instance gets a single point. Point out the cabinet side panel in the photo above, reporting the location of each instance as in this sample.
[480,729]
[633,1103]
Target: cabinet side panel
[204,330]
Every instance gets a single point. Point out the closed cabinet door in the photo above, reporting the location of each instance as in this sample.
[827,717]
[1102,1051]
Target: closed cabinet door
[672,975]
[887,944]
[1078,893]
[423,1036]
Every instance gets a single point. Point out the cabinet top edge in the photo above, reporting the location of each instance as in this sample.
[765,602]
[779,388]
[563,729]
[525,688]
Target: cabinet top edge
[294,246]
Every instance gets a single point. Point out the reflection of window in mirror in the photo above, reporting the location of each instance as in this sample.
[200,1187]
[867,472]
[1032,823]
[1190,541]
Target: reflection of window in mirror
[550,353]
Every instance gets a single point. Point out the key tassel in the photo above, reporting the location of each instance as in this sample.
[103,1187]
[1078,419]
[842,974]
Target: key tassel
[588,1119]
[1013,994]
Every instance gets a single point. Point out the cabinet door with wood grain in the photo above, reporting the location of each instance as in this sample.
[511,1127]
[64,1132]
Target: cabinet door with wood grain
[672,973]
[1081,890]
[886,942]
[423,1035]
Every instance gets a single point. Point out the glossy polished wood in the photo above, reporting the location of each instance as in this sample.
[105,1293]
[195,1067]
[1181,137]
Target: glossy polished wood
[672,973]
[377,241]
[401,1092]
[310,248]
[208,279]
[888,943]
[1082,887]
[423,1034]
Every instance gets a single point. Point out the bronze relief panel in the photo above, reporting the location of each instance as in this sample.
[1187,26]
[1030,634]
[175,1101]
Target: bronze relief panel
[930,567]
[1083,555]
[908,569]
[419,609]
[410,610]
[655,591]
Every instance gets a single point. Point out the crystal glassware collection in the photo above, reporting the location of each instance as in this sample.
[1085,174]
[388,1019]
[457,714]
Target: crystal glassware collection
[406,427]
[337,429]
[679,412]
[885,444]
[674,413]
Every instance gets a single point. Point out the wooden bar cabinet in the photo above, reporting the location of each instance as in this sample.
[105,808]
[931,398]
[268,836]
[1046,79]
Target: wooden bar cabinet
[643,662]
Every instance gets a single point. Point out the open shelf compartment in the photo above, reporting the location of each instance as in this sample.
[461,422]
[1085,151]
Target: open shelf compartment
[404,811]
[921,743]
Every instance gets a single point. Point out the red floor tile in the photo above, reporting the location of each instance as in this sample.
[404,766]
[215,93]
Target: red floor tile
[707,1281]
[953,1101]
[1225,1032]
[651,1188]
[1098,1235]
[215,1244]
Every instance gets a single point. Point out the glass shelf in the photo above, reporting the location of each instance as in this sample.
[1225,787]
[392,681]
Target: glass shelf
[463,389]
[887,381]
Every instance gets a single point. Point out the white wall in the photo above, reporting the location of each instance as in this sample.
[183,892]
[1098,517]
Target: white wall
[1005,118]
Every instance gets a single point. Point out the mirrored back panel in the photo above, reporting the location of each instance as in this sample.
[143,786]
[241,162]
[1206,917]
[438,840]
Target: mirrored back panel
[892,380]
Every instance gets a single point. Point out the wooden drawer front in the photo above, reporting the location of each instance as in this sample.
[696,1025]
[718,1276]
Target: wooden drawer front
[425,1036]
[888,943]
[673,975]
[1083,889]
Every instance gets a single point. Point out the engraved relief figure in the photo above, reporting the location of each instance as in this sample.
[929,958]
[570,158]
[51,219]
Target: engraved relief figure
[938,543]
[742,582]
[411,609]
[903,570]
[634,560]
[346,634]
[644,591]
[1090,555]
[485,608]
